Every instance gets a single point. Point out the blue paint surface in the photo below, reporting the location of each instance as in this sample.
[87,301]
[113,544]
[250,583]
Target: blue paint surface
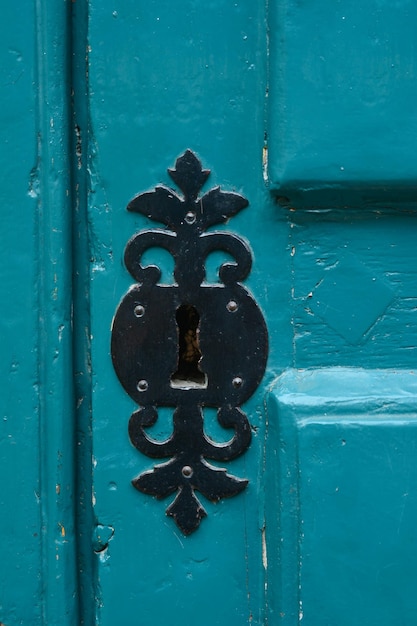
[340,461]
[308,111]
[159,84]
[343,82]
[20,527]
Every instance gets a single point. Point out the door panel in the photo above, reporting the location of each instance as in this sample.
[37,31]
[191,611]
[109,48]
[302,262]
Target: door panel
[341,479]
[161,82]
[342,85]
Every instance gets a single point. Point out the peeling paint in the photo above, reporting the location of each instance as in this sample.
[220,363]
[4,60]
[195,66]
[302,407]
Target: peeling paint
[265,162]
[264,550]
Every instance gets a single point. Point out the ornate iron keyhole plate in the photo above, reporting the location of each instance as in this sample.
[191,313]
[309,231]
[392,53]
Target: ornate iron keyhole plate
[189,344]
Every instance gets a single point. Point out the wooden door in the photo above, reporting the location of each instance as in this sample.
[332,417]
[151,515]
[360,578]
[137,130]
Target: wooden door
[307,110]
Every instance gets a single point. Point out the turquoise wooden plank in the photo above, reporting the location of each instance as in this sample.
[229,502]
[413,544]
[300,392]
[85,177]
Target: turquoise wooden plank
[38,574]
[342,127]
[161,82]
[341,478]
[56,390]
[20,523]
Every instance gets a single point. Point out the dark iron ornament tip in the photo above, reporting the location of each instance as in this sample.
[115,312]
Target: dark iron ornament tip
[189,344]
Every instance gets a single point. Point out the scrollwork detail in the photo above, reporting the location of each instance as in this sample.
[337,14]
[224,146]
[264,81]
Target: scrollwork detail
[152,333]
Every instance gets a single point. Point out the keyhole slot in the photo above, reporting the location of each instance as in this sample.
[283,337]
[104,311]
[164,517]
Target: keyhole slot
[189,374]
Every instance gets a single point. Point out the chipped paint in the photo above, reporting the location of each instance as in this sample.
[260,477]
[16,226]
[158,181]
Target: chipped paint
[264,550]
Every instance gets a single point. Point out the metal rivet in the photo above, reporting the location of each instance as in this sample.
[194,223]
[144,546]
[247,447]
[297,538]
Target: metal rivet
[139,310]
[142,385]
[237,382]
[190,217]
[232,306]
[187,471]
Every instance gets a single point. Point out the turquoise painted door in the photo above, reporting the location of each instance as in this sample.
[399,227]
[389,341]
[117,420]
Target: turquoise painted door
[307,110]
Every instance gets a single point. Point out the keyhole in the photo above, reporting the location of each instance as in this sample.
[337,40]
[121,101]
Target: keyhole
[189,374]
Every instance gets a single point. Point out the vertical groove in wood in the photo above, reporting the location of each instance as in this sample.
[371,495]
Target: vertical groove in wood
[54,285]
[79,132]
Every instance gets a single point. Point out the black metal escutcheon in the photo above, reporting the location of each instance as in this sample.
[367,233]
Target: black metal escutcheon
[190,344]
